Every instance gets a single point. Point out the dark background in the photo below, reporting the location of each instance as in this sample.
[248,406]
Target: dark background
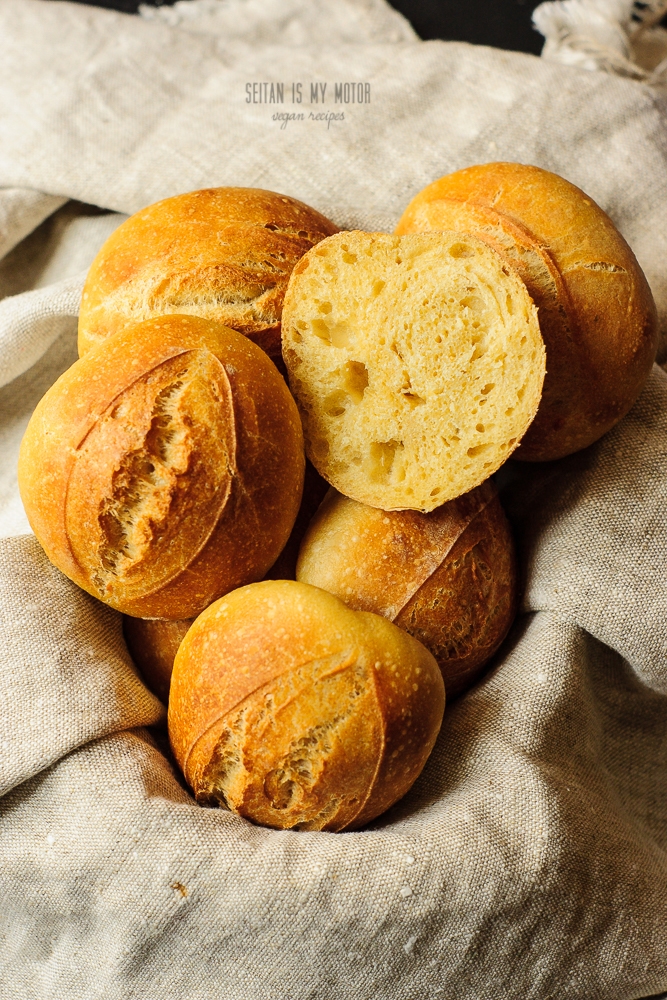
[505,24]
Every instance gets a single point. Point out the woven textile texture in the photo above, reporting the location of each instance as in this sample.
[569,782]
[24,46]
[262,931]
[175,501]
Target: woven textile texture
[529,861]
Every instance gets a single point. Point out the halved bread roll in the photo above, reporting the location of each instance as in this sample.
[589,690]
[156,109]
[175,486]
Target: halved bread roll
[416,362]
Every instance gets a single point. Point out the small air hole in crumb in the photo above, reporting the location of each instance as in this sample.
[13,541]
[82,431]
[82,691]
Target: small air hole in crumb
[461,250]
[355,379]
[336,402]
[321,330]
[488,387]
[378,286]
[480,428]
[477,450]
[324,307]
[413,399]
[349,258]
[509,411]
[381,459]
[435,492]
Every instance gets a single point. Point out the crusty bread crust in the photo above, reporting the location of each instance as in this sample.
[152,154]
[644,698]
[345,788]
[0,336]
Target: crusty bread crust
[153,645]
[448,577]
[416,362]
[165,467]
[595,308]
[314,491]
[298,713]
[221,253]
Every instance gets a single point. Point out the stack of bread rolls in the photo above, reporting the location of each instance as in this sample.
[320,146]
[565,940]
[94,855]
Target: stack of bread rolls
[164,472]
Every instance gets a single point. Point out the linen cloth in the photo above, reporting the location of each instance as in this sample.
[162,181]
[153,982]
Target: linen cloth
[530,859]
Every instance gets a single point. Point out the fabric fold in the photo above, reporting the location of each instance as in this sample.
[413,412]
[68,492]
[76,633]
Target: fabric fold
[65,674]
[530,859]
[31,322]
[611,498]
[21,211]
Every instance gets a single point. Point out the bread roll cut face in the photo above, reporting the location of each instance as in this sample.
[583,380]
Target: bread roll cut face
[416,362]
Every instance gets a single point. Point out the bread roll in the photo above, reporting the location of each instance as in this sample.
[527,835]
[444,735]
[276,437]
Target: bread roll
[595,308]
[314,490]
[153,644]
[448,577]
[165,467]
[222,253]
[298,713]
[416,362]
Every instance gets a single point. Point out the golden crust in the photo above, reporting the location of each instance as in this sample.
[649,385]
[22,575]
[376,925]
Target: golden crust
[153,644]
[465,609]
[597,315]
[448,578]
[299,713]
[165,467]
[314,490]
[225,254]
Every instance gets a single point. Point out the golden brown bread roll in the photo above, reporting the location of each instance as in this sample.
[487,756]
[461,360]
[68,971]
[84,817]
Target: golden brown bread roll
[448,577]
[416,362]
[165,467]
[222,253]
[297,712]
[153,644]
[314,490]
[595,308]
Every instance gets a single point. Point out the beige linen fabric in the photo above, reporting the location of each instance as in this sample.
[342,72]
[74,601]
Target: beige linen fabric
[529,861]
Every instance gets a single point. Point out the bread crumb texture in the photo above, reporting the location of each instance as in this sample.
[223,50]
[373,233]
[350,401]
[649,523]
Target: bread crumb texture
[416,362]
